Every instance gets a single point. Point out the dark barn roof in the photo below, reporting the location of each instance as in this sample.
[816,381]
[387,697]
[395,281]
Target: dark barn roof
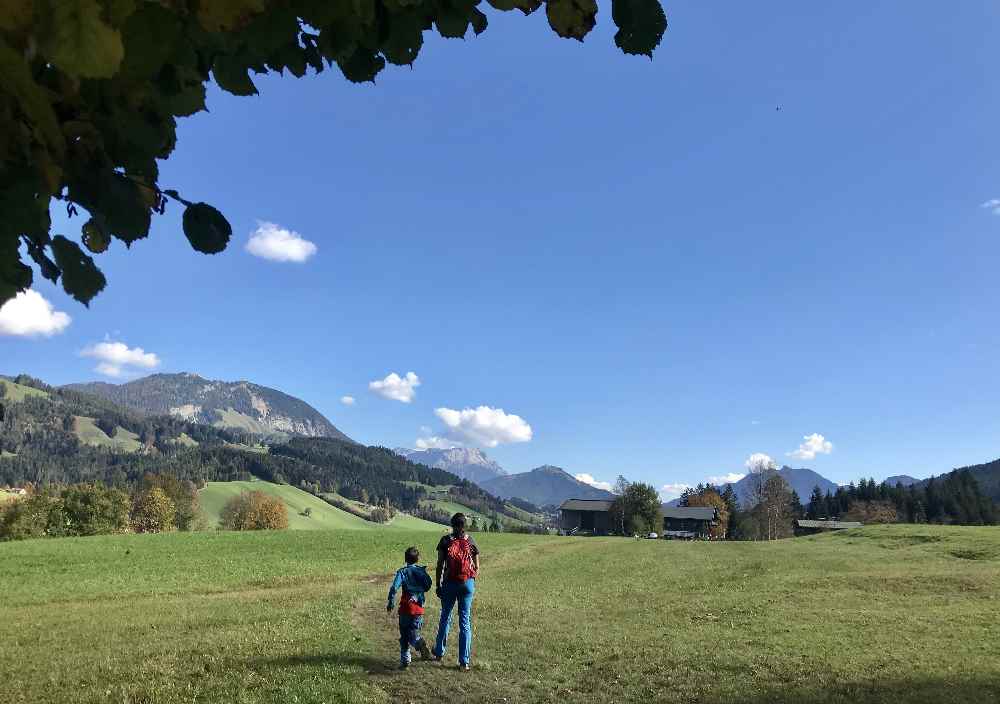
[600,505]
[698,513]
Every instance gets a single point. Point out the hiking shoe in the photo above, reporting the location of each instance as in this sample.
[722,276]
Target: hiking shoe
[465,668]
[404,665]
[425,653]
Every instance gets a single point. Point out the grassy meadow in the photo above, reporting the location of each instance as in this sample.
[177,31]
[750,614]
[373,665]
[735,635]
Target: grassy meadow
[881,614]
[323,516]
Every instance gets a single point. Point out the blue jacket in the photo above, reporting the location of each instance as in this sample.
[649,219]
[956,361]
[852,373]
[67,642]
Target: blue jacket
[414,580]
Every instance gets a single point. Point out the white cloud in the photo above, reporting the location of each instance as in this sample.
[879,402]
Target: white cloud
[755,422]
[593,481]
[28,314]
[484,426]
[347,400]
[434,442]
[993,204]
[730,478]
[395,387]
[758,462]
[669,492]
[811,446]
[115,358]
[274,242]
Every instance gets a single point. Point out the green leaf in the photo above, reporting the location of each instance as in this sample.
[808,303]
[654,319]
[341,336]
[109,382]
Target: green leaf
[33,100]
[227,15]
[95,236]
[231,75]
[404,37]
[206,228]
[150,36]
[641,24]
[479,21]
[451,23]
[361,66]
[14,275]
[572,19]
[525,6]
[79,42]
[80,276]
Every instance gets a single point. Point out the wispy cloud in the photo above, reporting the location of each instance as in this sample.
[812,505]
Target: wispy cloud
[29,314]
[116,359]
[811,446]
[395,387]
[278,244]
[435,442]
[669,492]
[720,479]
[993,205]
[347,400]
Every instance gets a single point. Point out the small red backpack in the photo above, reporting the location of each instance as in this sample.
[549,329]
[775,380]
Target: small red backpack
[459,559]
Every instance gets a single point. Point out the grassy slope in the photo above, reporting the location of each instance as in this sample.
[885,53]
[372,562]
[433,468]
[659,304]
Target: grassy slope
[89,434]
[890,614]
[17,393]
[324,516]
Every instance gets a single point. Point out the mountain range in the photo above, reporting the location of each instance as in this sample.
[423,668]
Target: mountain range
[466,462]
[240,405]
[801,480]
[543,486]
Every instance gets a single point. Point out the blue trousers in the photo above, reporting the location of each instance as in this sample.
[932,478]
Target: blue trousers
[460,593]
[409,634]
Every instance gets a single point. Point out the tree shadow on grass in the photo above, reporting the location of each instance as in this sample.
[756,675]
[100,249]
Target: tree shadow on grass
[970,689]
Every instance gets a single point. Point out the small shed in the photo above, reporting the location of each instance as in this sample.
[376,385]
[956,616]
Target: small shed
[688,521]
[805,526]
[585,516]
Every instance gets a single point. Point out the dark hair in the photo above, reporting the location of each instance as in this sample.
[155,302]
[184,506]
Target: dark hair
[411,555]
[458,521]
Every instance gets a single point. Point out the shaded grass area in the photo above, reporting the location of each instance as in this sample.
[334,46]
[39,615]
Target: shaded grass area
[887,614]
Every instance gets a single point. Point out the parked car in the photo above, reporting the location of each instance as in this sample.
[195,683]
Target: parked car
[652,536]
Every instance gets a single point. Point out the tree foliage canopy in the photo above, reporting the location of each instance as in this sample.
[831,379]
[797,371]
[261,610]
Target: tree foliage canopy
[92,90]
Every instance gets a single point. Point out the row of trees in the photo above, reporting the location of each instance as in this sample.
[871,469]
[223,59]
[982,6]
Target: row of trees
[158,504]
[955,497]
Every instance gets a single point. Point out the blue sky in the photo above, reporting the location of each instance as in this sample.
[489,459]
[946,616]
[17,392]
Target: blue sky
[646,262]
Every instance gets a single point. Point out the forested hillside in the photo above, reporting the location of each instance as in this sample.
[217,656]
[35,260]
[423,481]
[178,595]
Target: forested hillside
[62,436]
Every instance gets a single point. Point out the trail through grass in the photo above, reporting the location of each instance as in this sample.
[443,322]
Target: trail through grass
[890,614]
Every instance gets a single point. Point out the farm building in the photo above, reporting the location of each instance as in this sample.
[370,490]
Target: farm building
[585,516]
[592,516]
[809,527]
[688,521]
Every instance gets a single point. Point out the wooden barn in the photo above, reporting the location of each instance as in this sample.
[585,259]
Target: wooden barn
[688,521]
[579,516]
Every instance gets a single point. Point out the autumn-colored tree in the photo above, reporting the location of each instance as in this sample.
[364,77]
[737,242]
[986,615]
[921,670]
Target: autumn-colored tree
[254,510]
[183,494]
[91,91]
[153,512]
[711,498]
[871,512]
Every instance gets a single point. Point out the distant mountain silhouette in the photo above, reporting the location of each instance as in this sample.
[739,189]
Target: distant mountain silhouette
[230,404]
[904,479]
[466,462]
[801,480]
[544,486]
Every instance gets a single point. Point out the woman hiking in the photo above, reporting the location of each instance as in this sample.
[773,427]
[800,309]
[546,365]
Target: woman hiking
[455,578]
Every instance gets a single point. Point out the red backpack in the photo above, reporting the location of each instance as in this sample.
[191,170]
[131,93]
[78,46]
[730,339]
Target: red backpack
[459,559]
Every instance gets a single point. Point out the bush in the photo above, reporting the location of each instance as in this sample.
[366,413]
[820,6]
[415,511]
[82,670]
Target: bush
[153,512]
[94,509]
[254,510]
[35,516]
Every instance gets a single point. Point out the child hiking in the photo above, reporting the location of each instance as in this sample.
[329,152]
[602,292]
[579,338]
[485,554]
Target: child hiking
[458,565]
[414,580]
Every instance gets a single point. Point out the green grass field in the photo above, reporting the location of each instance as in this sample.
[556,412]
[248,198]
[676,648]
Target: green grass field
[89,434]
[323,517]
[17,392]
[888,614]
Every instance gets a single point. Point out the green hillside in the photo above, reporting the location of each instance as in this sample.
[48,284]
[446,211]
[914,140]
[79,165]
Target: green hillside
[323,516]
[89,434]
[17,392]
[885,615]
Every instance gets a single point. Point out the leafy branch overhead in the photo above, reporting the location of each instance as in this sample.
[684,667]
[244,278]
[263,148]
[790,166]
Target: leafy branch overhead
[91,91]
